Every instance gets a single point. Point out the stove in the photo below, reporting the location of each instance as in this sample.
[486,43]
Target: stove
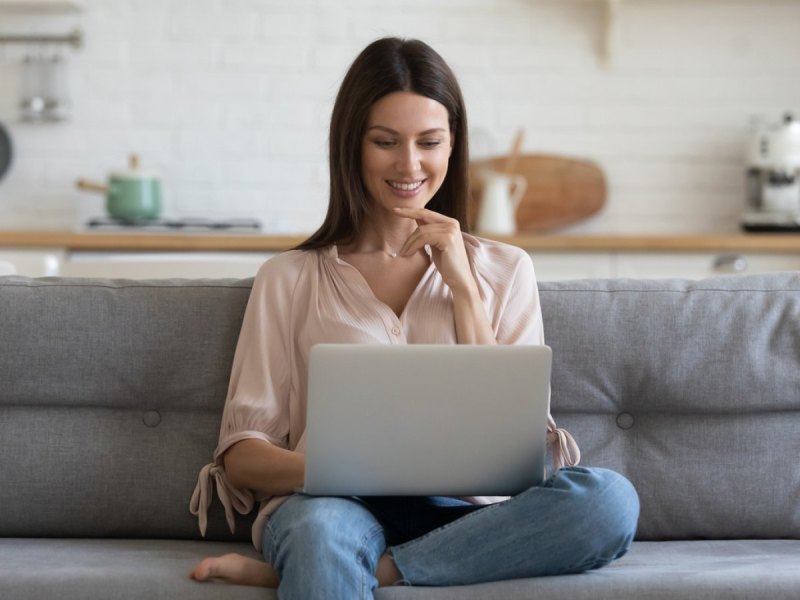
[770,222]
[191,224]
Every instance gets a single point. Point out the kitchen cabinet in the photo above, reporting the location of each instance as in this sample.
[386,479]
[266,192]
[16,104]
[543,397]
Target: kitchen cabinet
[555,266]
[658,265]
[163,265]
[697,266]
[7,268]
[45,262]
[555,257]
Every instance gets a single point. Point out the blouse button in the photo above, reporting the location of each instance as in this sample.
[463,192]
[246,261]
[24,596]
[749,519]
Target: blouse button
[396,330]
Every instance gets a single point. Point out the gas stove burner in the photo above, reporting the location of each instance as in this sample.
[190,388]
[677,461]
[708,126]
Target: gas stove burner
[174,224]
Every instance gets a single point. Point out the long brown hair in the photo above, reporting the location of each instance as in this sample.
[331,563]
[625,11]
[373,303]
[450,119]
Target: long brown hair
[385,66]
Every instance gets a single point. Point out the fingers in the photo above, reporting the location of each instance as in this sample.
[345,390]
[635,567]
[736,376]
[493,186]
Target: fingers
[440,235]
[433,228]
[424,215]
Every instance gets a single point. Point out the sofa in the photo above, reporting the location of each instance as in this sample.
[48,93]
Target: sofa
[111,393]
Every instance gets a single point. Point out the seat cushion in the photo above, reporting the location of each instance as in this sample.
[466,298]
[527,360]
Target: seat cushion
[76,569]
[692,570]
[35,569]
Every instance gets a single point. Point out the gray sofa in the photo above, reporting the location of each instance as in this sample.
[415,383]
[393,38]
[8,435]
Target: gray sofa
[111,393]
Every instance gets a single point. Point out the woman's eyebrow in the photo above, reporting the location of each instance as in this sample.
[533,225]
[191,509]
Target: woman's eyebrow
[392,131]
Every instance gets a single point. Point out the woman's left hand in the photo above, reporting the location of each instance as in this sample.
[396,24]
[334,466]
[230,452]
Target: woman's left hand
[443,235]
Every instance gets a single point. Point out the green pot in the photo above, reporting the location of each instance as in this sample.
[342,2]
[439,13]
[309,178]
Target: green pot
[133,198]
[131,195]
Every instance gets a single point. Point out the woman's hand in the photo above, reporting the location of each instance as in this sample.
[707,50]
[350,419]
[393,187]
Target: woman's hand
[443,235]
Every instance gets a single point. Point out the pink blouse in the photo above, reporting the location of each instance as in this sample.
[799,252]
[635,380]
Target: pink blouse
[301,298]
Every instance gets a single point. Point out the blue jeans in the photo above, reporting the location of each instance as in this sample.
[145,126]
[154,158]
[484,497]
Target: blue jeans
[328,547]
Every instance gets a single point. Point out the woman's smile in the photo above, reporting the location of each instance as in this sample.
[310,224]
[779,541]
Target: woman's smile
[404,189]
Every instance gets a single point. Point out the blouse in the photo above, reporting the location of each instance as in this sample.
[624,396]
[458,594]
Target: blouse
[301,298]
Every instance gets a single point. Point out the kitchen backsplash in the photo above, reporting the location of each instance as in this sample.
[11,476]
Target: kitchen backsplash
[229,100]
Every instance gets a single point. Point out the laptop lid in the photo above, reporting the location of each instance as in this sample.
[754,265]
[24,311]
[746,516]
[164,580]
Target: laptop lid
[456,420]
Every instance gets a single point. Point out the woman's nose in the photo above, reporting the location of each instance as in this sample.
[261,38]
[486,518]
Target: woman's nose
[408,160]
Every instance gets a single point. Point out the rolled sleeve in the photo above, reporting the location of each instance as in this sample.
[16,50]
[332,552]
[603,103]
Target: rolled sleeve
[257,402]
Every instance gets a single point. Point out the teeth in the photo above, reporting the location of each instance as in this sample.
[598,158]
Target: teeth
[405,186]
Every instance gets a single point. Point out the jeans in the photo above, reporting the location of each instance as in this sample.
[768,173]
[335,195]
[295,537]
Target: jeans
[328,547]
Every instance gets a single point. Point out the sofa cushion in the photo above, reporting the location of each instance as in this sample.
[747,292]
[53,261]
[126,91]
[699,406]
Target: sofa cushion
[77,569]
[158,569]
[112,393]
[110,403]
[700,570]
[689,388]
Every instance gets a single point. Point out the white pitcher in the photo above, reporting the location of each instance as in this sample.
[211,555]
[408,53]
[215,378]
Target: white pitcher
[498,206]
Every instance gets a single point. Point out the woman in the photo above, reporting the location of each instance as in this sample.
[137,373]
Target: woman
[392,264]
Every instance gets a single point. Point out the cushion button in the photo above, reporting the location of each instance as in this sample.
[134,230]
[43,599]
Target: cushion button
[151,418]
[625,420]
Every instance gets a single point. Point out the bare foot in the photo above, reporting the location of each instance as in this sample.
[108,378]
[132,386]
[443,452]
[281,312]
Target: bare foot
[387,573]
[235,568]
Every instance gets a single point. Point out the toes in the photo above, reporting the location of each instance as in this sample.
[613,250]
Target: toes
[203,571]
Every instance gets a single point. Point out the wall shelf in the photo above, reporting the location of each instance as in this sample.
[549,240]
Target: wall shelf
[42,6]
[39,7]
[74,39]
[611,10]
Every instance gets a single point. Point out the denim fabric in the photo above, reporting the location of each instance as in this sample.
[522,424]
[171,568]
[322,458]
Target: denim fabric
[324,547]
[579,519]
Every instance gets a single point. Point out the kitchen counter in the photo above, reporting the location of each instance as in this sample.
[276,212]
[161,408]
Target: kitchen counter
[221,242]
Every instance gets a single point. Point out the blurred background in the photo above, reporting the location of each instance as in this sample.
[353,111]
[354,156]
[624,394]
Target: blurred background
[229,101]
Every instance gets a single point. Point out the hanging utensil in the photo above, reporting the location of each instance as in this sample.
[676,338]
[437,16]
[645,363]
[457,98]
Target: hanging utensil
[32,103]
[6,151]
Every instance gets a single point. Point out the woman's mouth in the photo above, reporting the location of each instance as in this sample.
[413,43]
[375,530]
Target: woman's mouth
[405,189]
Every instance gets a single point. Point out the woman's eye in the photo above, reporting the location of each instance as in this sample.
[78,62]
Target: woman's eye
[427,144]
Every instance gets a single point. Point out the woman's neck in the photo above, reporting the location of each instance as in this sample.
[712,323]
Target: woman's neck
[385,237]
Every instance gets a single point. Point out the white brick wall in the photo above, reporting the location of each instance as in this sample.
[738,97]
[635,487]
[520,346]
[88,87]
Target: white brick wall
[230,99]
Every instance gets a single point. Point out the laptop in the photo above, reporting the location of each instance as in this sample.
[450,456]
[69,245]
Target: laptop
[423,420]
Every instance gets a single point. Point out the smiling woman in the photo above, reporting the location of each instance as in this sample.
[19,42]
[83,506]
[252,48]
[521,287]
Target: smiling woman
[392,264]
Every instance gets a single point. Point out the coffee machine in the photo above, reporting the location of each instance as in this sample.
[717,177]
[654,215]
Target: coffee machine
[773,177]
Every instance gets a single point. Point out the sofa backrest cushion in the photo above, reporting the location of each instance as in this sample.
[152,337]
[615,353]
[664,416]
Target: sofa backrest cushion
[111,394]
[692,390]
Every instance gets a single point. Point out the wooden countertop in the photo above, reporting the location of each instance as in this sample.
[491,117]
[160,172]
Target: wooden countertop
[148,241]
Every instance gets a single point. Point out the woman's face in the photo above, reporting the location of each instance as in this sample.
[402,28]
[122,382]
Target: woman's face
[405,150]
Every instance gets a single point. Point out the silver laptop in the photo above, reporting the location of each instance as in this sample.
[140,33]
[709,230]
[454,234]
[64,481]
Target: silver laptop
[454,420]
